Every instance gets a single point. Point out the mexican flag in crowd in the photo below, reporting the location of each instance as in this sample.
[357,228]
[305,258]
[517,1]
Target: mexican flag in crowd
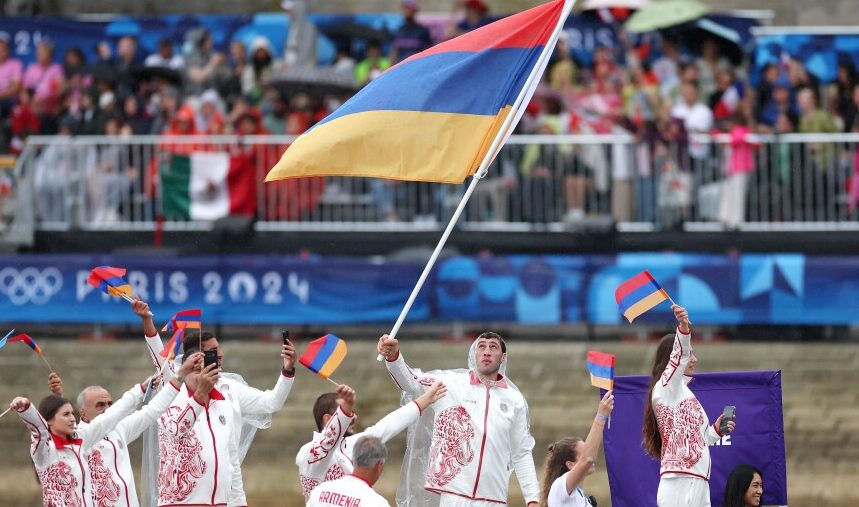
[208,185]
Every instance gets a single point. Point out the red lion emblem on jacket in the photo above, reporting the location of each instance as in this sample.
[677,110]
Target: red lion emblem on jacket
[59,486]
[105,491]
[451,445]
[181,463]
[680,427]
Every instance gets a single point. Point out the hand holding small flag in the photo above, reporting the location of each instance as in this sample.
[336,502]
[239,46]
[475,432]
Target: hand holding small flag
[682,317]
[324,355]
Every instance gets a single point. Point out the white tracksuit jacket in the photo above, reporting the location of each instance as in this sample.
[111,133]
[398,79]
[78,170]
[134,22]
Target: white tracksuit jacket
[109,463]
[62,464]
[198,444]
[478,436]
[683,425]
[329,455]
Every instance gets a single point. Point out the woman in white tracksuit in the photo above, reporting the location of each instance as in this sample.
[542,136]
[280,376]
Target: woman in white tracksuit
[676,429]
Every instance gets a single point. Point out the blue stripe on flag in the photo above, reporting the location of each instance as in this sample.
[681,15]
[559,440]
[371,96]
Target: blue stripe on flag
[600,371]
[324,353]
[636,296]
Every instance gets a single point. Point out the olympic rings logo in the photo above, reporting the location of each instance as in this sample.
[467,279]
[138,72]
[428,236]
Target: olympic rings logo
[30,285]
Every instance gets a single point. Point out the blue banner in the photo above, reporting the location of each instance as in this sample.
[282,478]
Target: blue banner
[758,439]
[781,289]
[821,54]
[229,290]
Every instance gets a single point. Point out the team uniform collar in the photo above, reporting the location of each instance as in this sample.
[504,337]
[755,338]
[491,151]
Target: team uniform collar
[214,394]
[475,379]
[62,442]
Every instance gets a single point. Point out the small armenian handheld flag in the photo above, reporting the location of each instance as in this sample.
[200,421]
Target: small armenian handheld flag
[185,319]
[639,294]
[601,368]
[109,280]
[324,355]
[191,319]
[171,350]
[29,341]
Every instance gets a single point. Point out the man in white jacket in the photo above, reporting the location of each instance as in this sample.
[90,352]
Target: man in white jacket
[199,440]
[480,431]
[234,402]
[356,488]
[329,456]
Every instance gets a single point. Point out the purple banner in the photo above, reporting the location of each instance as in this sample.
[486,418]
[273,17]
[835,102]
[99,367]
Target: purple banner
[758,440]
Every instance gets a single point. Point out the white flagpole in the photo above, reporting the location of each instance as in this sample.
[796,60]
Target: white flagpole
[503,133]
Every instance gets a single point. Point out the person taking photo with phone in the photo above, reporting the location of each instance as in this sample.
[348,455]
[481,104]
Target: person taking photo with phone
[233,408]
[676,430]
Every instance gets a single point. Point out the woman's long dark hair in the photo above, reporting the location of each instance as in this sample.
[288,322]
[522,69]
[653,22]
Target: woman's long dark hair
[50,404]
[651,438]
[556,463]
[738,483]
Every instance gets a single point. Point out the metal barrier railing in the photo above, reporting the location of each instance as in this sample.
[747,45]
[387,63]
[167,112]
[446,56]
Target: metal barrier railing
[793,181]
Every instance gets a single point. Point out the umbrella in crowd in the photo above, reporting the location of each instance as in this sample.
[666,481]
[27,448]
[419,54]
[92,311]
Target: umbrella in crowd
[665,14]
[167,74]
[351,30]
[313,81]
[693,34]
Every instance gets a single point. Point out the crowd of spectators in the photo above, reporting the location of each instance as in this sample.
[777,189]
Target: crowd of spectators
[659,93]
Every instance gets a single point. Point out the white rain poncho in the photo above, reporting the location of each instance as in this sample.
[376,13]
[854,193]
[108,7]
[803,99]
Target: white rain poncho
[411,492]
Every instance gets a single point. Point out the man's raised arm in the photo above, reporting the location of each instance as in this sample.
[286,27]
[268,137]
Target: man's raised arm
[403,376]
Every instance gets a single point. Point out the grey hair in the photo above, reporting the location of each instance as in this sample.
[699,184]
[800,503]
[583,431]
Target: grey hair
[368,451]
[81,400]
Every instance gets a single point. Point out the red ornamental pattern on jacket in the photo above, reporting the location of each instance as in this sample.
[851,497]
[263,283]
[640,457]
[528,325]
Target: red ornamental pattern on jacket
[105,491]
[673,362]
[682,442]
[329,440]
[451,445]
[308,484]
[59,486]
[334,473]
[181,463]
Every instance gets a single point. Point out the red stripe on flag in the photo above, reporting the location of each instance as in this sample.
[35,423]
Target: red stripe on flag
[634,283]
[601,358]
[310,353]
[527,29]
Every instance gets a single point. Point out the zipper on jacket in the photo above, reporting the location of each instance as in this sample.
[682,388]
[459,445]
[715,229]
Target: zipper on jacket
[482,443]
[214,448]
